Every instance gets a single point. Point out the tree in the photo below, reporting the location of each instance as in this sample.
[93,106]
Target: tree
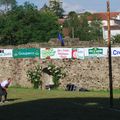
[72,23]
[96,29]
[116,38]
[24,24]
[57,9]
[8,4]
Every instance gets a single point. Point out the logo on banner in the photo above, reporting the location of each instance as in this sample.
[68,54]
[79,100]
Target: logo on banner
[95,51]
[5,52]
[74,53]
[48,52]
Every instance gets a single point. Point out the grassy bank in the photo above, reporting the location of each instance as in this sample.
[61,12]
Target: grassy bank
[31,104]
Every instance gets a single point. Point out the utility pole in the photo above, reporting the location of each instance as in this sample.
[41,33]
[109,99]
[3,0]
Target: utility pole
[109,53]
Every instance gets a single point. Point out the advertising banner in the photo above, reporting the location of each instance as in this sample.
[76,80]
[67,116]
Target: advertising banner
[78,53]
[56,53]
[115,52]
[26,53]
[96,52]
[6,53]
[48,53]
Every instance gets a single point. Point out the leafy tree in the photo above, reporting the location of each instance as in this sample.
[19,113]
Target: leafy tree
[116,38]
[25,24]
[8,4]
[72,23]
[45,8]
[57,8]
[80,27]
[83,31]
[96,29]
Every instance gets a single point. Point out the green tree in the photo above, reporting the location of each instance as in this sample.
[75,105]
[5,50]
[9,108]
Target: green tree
[72,23]
[96,29]
[8,4]
[116,38]
[24,24]
[83,31]
[57,9]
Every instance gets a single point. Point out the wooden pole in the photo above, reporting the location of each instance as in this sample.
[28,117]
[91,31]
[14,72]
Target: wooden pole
[110,58]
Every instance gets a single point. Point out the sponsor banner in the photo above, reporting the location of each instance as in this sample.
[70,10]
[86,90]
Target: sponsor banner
[96,52]
[48,53]
[6,53]
[78,53]
[64,53]
[26,53]
[56,53]
[115,52]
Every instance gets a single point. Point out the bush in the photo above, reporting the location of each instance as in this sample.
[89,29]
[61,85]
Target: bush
[34,75]
[57,73]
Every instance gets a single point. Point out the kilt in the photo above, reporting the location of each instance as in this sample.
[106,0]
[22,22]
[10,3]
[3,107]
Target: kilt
[2,91]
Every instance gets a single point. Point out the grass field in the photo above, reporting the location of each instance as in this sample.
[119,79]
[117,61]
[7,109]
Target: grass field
[31,104]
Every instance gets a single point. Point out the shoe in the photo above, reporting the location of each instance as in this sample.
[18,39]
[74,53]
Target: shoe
[5,101]
[1,102]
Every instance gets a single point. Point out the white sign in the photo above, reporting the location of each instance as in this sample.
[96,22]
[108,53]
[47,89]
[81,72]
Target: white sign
[78,53]
[115,52]
[96,52]
[56,53]
[6,53]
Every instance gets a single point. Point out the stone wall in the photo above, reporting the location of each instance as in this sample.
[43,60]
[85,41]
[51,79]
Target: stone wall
[88,73]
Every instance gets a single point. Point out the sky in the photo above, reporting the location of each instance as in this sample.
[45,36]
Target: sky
[80,5]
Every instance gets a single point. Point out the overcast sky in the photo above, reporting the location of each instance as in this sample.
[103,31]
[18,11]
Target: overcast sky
[81,5]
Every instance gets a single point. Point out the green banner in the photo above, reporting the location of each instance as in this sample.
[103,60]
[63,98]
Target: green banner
[26,53]
[95,51]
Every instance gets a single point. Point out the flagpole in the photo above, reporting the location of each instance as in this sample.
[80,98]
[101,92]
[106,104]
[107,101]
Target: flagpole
[110,58]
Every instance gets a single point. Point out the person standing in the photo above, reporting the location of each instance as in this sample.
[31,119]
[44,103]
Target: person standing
[3,89]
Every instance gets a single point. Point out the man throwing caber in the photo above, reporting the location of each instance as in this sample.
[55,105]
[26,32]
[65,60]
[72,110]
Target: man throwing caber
[3,89]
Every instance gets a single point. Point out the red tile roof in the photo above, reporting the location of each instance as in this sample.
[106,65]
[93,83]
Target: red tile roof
[102,15]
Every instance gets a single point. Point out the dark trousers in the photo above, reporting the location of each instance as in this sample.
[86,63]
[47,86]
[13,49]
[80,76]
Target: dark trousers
[3,92]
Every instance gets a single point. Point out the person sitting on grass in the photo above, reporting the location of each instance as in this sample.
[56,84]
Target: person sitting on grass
[3,89]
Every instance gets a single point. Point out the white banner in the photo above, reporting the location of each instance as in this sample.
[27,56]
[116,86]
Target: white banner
[78,53]
[6,53]
[96,52]
[56,53]
[115,52]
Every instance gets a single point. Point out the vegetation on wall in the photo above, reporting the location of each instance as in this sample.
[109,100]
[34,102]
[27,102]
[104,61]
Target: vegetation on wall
[34,76]
[57,73]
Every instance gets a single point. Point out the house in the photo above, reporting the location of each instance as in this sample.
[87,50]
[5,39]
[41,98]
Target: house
[114,23]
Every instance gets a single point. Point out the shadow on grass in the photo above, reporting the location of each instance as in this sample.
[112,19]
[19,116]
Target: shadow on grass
[61,109]
[11,100]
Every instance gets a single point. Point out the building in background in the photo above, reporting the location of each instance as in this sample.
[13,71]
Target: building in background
[114,23]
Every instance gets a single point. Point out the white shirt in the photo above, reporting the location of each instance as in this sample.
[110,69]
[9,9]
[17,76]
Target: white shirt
[4,83]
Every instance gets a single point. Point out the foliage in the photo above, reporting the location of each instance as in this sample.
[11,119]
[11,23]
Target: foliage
[57,73]
[24,24]
[96,29]
[116,39]
[8,4]
[82,29]
[57,9]
[34,76]
[72,23]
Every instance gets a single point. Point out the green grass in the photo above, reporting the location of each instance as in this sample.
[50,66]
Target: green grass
[32,104]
